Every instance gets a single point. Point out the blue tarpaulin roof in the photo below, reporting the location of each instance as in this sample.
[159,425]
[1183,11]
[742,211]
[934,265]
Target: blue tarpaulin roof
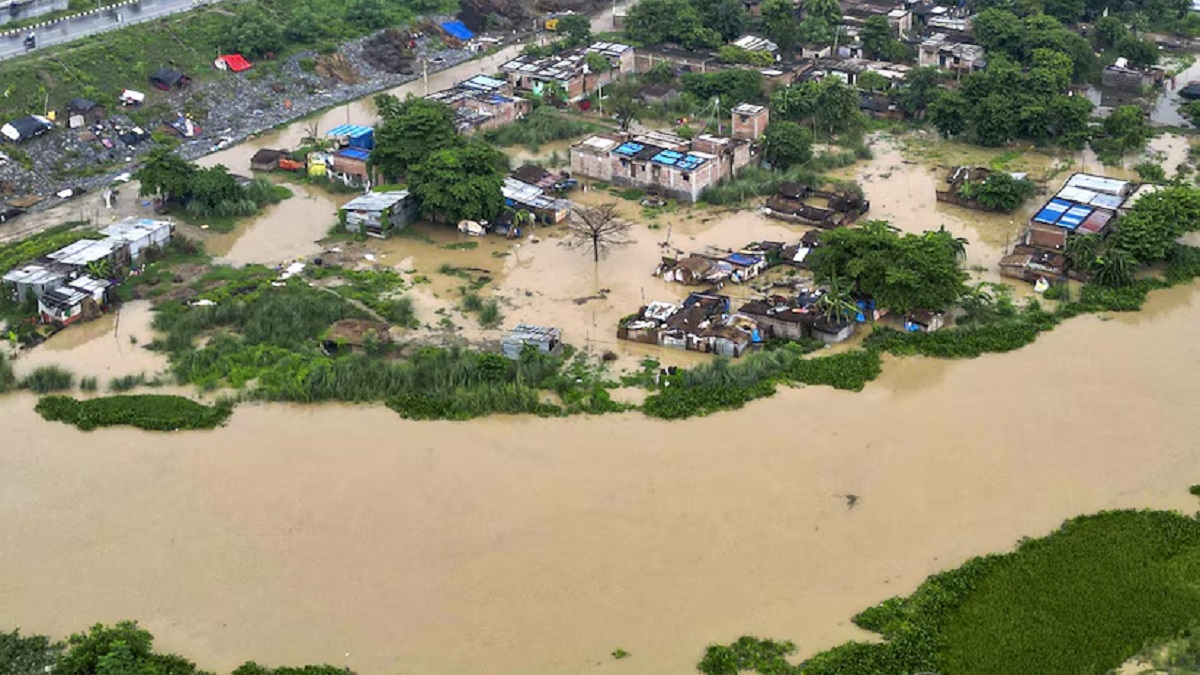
[458,29]
[629,148]
[353,153]
[350,130]
[743,260]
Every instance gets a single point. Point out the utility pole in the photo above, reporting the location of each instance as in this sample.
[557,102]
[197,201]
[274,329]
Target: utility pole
[425,73]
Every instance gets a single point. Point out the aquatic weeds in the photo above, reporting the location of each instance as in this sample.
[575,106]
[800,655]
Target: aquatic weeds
[45,379]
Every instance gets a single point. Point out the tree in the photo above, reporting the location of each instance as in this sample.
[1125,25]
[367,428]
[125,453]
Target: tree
[29,654]
[876,33]
[732,86]
[657,21]
[994,120]
[837,106]
[814,30]
[787,144]
[625,109]
[118,650]
[596,63]
[1150,172]
[1126,127]
[215,185]
[370,14]
[460,182]
[727,18]
[836,303]
[901,273]
[165,174]
[523,219]
[1150,229]
[577,28]
[828,11]
[1108,31]
[873,81]
[780,24]
[255,35]
[554,93]
[597,230]
[949,113]
[921,86]
[303,25]
[997,30]
[1002,192]
[1140,52]
[412,129]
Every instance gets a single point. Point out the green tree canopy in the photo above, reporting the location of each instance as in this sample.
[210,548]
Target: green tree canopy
[727,17]
[122,649]
[733,86]
[658,21]
[901,273]
[412,129]
[1003,192]
[577,28]
[256,35]
[1127,129]
[921,86]
[215,185]
[1150,229]
[780,24]
[165,174]
[949,113]
[828,11]
[876,35]
[1140,52]
[460,182]
[786,144]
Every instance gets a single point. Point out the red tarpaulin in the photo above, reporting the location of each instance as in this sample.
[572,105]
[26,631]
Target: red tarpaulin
[234,62]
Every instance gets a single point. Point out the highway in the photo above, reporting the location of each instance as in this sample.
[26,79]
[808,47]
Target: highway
[12,43]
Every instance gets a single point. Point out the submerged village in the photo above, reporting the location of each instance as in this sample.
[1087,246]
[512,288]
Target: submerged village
[584,214]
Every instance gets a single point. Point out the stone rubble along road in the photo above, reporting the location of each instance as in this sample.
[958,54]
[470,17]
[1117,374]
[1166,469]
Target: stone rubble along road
[238,106]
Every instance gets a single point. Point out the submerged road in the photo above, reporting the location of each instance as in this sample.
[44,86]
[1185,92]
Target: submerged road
[67,29]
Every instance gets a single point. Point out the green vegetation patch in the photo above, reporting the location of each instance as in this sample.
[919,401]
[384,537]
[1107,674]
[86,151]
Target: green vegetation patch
[153,412]
[544,125]
[38,245]
[1081,600]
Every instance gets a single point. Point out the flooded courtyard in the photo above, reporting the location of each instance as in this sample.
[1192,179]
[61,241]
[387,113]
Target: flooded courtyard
[350,536]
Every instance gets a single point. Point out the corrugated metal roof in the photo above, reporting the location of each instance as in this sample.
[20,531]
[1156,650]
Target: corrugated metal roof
[350,131]
[375,201]
[33,274]
[1094,183]
[85,251]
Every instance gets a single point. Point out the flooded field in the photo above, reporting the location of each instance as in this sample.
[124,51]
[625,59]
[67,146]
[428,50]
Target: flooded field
[509,545]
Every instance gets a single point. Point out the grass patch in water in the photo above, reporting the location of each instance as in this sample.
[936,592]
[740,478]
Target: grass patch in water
[45,379]
[153,412]
[1083,599]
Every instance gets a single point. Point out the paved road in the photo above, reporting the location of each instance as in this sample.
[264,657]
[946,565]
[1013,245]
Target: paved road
[110,18]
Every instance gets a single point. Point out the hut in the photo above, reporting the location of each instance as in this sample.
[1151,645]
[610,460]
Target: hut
[87,110]
[545,340]
[355,335]
[168,79]
[266,159]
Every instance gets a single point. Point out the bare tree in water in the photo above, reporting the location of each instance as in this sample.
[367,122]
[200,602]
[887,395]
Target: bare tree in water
[597,230]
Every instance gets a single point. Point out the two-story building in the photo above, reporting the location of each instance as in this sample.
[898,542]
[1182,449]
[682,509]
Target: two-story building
[569,70]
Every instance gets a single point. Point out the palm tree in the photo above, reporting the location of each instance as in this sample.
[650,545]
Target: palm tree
[1114,268]
[554,93]
[836,304]
[99,269]
[1083,249]
[976,301]
[521,220]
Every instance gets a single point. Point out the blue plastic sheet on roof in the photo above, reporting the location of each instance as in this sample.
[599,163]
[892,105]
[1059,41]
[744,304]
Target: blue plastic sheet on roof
[667,157]
[458,29]
[743,260]
[1047,216]
[354,153]
[629,148]
[690,162]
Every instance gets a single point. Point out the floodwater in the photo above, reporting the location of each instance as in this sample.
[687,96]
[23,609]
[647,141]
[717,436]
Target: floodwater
[110,346]
[284,231]
[350,536]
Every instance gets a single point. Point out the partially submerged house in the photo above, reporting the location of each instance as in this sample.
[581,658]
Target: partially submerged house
[482,103]
[80,299]
[64,281]
[703,323]
[546,208]
[267,159]
[547,340]
[1086,204]
[352,136]
[167,79]
[661,163]
[827,209]
[26,128]
[1120,75]
[378,214]
[349,166]
[796,317]
[569,70]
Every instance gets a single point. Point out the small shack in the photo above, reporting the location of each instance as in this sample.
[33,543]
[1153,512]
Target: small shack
[266,159]
[353,136]
[826,209]
[545,340]
[24,128]
[232,62]
[168,79]
[924,321]
[349,165]
[81,299]
[87,110]
[377,214]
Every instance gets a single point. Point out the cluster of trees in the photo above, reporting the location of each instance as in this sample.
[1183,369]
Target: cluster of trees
[1005,102]
[879,41]
[999,191]
[786,144]
[731,86]
[900,272]
[453,177]
[830,105]
[1148,234]
[122,649]
[780,23]
[205,192]
[695,24]
[1143,14]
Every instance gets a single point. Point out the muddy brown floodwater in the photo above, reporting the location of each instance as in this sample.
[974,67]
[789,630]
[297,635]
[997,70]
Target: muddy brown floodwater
[522,545]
